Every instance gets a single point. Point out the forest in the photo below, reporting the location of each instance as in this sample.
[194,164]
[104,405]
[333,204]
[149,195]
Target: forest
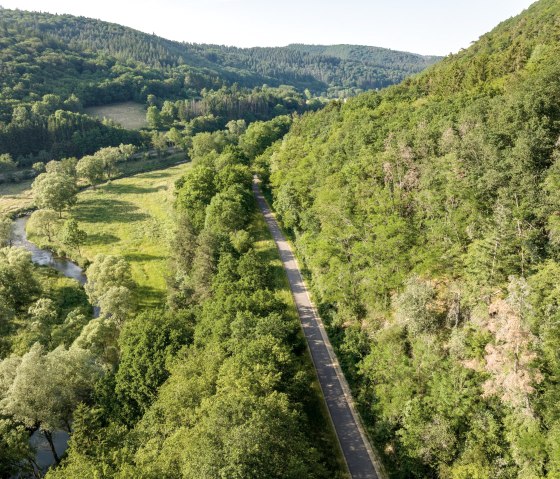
[427,216]
[333,69]
[52,67]
[214,381]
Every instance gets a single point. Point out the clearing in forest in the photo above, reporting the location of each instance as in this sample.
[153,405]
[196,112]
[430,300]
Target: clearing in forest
[133,217]
[129,114]
[15,197]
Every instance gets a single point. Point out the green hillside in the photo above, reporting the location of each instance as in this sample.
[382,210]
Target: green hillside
[54,66]
[36,36]
[427,216]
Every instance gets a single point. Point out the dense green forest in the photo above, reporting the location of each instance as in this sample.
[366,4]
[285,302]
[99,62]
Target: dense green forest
[427,216]
[52,66]
[322,69]
[215,383]
[47,80]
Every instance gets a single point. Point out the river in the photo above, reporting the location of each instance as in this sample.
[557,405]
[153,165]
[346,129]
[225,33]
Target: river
[44,457]
[44,257]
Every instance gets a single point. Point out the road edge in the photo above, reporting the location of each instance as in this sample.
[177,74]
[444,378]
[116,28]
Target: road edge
[378,466]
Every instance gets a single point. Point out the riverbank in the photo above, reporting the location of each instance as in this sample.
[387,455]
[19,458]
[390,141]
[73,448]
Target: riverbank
[131,217]
[44,457]
[16,198]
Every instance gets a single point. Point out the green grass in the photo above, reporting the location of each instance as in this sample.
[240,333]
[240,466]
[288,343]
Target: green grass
[129,114]
[131,217]
[142,165]
[15,197]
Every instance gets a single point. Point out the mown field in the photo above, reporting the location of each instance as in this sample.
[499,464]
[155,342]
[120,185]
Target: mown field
[130,115]
[131,217]
[15,197]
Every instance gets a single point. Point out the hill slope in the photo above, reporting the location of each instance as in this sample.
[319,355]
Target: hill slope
[428,218]
[314,67]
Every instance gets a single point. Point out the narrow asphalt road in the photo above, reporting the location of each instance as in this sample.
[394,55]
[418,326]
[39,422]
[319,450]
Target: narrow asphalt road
[354,444]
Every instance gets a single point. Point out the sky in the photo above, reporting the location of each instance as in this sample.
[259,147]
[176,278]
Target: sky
[436,27]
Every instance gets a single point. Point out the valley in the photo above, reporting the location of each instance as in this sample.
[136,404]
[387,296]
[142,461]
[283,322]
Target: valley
[311,261]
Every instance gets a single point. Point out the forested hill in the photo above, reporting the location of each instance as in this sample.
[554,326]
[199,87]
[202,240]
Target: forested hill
[323,70]
[428,217]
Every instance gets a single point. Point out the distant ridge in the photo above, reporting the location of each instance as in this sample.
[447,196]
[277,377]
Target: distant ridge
[321,69]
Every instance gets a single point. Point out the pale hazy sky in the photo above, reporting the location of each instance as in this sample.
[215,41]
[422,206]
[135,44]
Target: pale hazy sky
[422,26]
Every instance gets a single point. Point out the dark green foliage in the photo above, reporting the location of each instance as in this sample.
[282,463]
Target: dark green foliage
[54,65]
[342,67]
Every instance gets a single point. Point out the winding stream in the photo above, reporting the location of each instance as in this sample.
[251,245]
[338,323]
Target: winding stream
[42,257]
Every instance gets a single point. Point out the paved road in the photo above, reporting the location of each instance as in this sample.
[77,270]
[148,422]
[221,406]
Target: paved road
[355,447]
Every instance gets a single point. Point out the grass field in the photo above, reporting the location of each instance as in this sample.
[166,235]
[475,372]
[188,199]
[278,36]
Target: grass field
[15,197]
[129,114]
[131,217]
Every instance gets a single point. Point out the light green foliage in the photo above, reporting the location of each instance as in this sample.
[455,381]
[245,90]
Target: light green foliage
[205,143]
[16,455]
[71,235]
[159,141]
[45,223]
[153,118]
[126,151]
[46,387]
[109,156]
[39,167]
[104,273]
[7,164]
[56,191]
[228,211]
[17,283]
[99,337]
[91,168]
[176,138]
[195,193]
[5,230]
[66,166]
[260,135]
[415,307]
[116,303]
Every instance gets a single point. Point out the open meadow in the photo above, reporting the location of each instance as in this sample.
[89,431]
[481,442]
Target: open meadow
[15,197]
[129,114]
[131,217]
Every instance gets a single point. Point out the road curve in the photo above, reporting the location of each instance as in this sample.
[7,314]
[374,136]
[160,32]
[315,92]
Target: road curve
[353,442]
